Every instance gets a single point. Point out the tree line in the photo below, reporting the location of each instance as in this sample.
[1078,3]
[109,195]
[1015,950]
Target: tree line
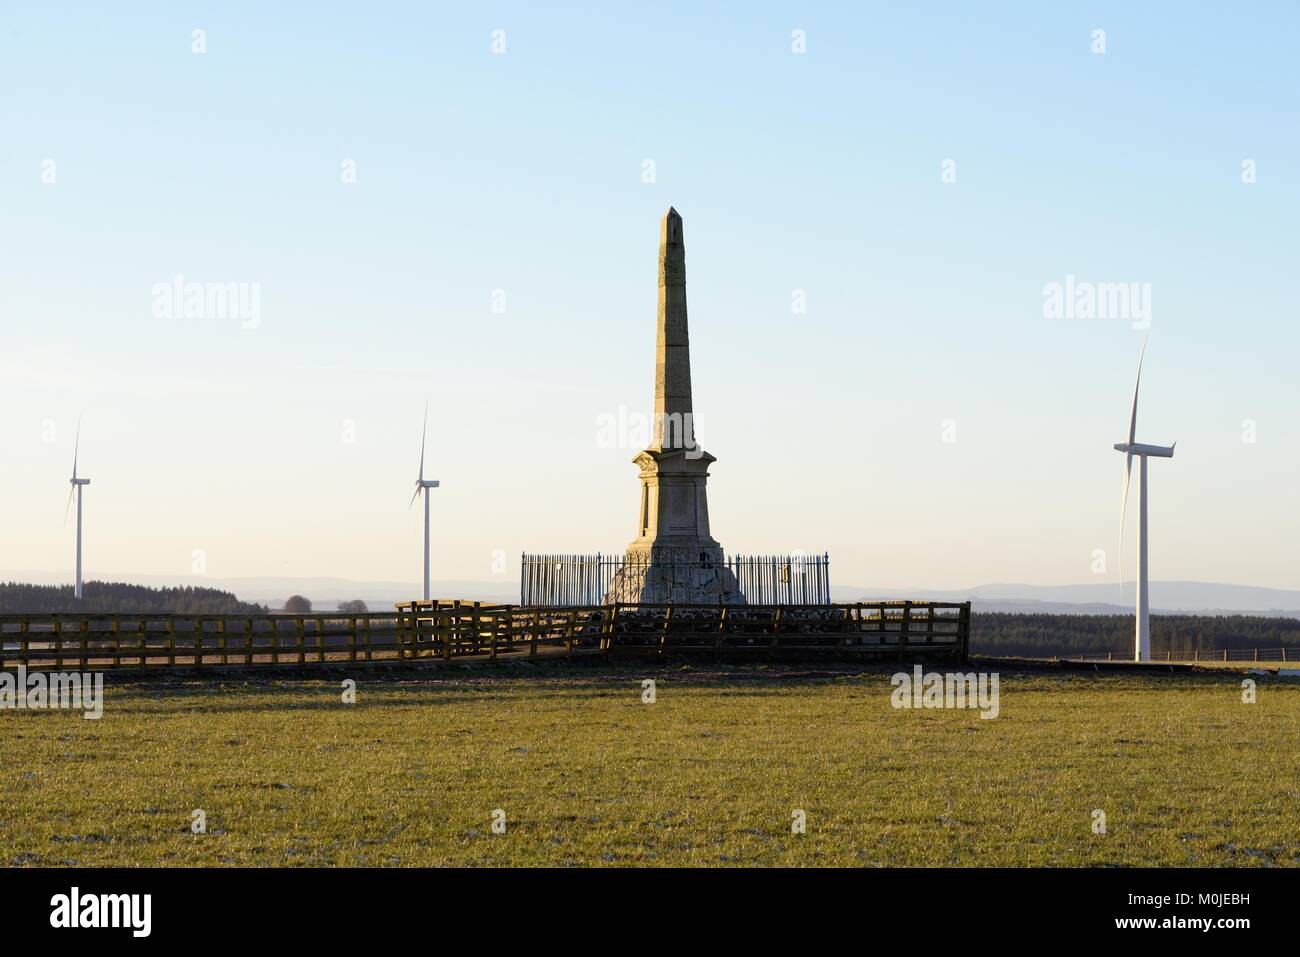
[1045,635]
[121,598]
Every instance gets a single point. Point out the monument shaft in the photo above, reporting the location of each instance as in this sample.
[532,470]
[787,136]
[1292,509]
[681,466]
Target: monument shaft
[673,346]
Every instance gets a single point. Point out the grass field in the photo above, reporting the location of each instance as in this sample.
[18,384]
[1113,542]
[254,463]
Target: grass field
[709,774]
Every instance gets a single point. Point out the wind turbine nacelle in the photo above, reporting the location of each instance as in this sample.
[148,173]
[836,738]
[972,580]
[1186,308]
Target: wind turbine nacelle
[428,483]
[1138,448]
[79,481]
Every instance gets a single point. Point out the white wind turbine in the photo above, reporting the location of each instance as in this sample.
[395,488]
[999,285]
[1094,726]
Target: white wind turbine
[1142,636]
[77,484]
[422,485]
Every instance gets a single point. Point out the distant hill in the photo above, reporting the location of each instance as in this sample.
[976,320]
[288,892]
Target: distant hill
[1092,598]
[1167,597]
[1047,635]
[119,597]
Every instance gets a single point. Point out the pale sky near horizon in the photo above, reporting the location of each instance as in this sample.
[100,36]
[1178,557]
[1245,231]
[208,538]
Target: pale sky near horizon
[289,447]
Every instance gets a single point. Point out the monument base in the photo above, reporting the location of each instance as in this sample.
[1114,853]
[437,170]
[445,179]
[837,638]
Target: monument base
[662,574]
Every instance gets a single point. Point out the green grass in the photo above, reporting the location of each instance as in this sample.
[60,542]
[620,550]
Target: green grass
[709,775]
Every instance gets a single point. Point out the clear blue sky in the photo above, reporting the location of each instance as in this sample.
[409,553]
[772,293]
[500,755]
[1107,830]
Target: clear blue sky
[523,172]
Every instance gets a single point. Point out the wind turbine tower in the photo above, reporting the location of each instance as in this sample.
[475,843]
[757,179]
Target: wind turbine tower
[1131,448]
[77,485]
[422,485]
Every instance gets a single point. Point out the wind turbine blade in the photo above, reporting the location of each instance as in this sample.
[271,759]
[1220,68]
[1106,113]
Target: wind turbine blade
[1123,513]
[1128,458]
[76,448]
[71,492]
[424,434]
[418,489]
[1133,419]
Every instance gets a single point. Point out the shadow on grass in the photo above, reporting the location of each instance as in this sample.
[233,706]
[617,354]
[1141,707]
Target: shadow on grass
[516,684]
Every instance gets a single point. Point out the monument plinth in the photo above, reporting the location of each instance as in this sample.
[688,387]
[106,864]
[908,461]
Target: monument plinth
[674,557]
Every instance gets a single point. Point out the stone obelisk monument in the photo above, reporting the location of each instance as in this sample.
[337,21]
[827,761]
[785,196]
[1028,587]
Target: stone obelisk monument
[673,557]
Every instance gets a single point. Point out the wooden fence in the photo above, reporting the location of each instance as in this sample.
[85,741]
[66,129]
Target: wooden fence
[580,580]
[94,642]
[428,630]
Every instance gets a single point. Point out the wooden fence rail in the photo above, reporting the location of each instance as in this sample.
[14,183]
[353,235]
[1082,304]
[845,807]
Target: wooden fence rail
[447,629]
[1198,655]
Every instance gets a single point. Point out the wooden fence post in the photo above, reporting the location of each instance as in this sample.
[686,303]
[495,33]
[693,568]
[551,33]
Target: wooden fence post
[611,626]
[663,635]
[114,627]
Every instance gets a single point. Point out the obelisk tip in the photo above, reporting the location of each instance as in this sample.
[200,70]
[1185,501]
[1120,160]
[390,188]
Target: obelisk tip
[670,230]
